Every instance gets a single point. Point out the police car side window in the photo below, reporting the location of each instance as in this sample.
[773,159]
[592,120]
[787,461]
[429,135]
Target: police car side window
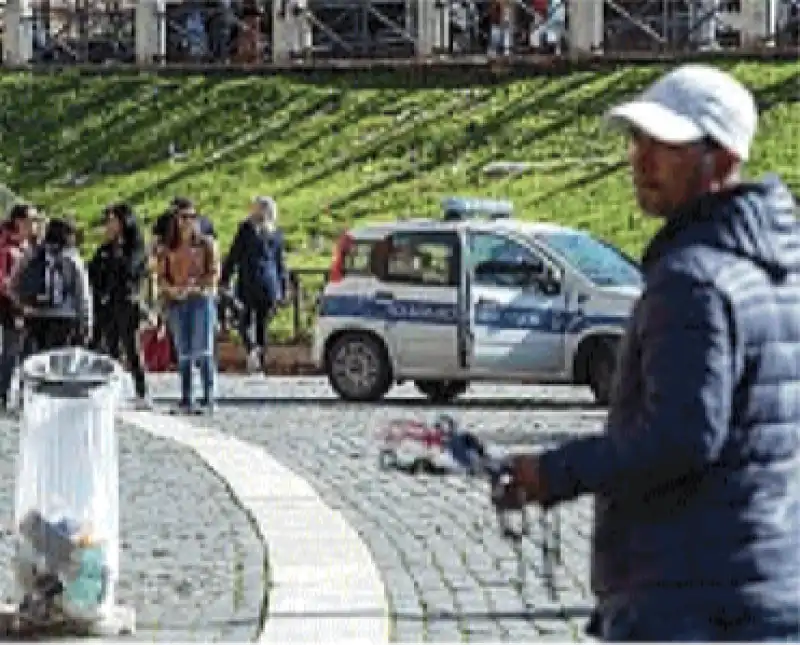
[490,247]
[423,259]
[357,260]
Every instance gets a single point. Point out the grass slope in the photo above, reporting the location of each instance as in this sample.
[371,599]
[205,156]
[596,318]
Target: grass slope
[343,149]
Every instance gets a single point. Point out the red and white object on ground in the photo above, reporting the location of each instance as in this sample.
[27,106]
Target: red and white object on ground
[416,446]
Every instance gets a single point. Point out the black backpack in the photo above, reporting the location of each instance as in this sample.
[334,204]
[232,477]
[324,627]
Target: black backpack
[46,280]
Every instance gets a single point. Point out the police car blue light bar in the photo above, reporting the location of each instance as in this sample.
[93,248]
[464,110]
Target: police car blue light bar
[456,208]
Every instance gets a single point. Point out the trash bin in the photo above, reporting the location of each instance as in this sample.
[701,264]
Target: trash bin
[66,508]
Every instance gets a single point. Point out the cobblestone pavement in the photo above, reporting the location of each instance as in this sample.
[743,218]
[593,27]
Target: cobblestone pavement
[449,574]
[191,564]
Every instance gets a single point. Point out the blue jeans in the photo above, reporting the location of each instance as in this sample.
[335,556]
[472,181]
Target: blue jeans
[191,323]
[499,40]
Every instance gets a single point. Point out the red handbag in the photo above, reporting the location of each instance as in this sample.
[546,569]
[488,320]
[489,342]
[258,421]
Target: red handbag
[156,349]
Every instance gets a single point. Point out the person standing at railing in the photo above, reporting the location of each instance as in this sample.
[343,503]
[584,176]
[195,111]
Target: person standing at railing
[221,22]
[256,256]
[188,268]
[196,34]
[703,23]
[500,20]
[249,44]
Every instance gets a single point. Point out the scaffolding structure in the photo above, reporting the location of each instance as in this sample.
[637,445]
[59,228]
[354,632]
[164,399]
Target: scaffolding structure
[208,31]
[130,31]
[69,31]
[680,25]
[263,31]
[392,28]
[360,28]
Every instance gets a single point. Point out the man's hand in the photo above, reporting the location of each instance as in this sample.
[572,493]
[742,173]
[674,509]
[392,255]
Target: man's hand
[523,484]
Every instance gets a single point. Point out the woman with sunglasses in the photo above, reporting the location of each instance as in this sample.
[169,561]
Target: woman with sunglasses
[188,270]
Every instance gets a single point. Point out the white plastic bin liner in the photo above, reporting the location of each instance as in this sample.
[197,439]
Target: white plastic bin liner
[67,488]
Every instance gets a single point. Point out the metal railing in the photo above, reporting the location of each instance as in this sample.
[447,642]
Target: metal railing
[305,286]
[208,31]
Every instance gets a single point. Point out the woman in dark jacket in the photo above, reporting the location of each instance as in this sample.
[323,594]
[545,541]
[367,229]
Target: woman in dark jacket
[116,272]
[256,255]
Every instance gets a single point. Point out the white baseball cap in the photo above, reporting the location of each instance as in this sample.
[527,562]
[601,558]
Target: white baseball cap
[692,103]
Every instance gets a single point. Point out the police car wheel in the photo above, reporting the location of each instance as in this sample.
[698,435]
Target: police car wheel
[441,391]
[601,375]
[421,467]
[358,368]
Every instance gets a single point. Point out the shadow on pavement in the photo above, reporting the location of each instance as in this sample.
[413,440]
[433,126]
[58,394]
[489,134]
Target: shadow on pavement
[406,402]
[546,611]
[540,437]
[162,627]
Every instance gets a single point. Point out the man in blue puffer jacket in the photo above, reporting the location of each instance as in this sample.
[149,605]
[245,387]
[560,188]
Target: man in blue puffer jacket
[697,476]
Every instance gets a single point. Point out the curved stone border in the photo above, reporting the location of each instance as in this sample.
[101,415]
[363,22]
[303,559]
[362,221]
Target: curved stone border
[324,585]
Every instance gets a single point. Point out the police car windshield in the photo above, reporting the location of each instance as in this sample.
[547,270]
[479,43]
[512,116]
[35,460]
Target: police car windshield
[598,261]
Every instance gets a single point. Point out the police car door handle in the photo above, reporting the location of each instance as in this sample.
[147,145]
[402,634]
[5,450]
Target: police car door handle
[384,295]
[484,302]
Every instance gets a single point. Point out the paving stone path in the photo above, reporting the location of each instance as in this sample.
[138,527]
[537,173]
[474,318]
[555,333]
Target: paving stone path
[191,563]
[449,574]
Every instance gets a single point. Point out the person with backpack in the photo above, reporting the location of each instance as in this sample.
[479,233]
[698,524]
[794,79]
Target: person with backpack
[256,255]
[53,290]
[187,273]
[15,234]
[116,272]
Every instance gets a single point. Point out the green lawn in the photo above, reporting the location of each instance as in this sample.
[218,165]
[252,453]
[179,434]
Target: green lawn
[335,150]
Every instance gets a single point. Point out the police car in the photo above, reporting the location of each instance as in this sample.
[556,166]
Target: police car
[474,296]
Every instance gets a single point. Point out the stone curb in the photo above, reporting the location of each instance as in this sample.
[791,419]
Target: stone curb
[324,585]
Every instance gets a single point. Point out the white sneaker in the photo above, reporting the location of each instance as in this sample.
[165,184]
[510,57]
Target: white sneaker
[254,361]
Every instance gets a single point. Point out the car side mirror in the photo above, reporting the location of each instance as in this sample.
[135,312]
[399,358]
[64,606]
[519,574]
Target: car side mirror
[550,281]
[544,278]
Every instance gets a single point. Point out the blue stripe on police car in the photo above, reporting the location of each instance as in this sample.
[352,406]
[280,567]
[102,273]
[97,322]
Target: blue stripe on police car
[492,316]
